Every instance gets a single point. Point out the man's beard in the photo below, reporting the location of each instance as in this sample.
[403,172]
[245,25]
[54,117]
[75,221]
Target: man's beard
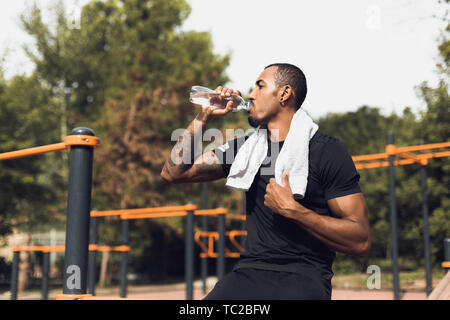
[253,121]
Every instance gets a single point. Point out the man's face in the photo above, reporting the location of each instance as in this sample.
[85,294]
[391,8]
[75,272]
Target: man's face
[264,98]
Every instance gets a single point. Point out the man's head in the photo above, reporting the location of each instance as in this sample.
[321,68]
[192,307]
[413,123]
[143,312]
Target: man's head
[278,87]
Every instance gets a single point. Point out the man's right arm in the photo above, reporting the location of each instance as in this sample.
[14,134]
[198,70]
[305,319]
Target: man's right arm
[184,163]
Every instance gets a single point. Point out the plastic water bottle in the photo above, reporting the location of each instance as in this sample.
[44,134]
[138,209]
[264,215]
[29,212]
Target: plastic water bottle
[207,97]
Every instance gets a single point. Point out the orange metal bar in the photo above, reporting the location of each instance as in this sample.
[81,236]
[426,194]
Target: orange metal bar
[206,212]
[54,249]
[122,248]
[234,216]
[92,247]
[72,296]
[81,140]
[213,236]
[230,254]
[402,152]
[422,147]
[446,264]
[143,210]
[88,297]
[371,165]
[208,251]
[32,151]
[68,141]
[200,243]
[153,215]
[27,248]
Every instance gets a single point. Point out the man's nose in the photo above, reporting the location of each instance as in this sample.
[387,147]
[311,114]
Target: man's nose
[252,95]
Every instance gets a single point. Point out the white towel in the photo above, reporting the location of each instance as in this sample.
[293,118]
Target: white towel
[293,157]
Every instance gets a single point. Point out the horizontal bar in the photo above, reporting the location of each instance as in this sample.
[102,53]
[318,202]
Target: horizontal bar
[81,140]
[446,264]
[234,216]
[70,140]
[122,248]
[32,151]
[153,215]
[207,212]
[92,247]
[371,165]
[142,210]
[106,298]
[424,147]
[407,152]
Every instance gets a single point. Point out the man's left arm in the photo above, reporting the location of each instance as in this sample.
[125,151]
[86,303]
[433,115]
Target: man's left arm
[347,232]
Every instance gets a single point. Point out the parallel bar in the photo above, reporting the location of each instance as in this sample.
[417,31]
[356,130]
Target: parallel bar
[424,147]
[142,210]
[153,215]
[210,211]
[32,151]
[393,221]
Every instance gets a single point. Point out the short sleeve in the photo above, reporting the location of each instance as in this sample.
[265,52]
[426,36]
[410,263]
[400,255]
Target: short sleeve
[227,152]
[338,172]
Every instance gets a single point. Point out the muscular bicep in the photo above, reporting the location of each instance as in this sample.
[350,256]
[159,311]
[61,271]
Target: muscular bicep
[352,207]
[206,167]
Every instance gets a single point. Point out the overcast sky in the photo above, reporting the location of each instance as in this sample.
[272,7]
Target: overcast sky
[353,52]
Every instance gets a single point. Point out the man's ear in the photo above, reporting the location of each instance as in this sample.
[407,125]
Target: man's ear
[285,94]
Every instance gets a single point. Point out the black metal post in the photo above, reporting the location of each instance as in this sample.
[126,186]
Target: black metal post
[45,271]
[204,261]
[189,255]
[124,265]
[426,233]
[15,274]
[92,256]
[395,277]
[221,246]
[78,211]
[447,250]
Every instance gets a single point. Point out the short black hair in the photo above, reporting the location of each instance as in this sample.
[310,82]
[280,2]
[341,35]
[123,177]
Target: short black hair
[293,76]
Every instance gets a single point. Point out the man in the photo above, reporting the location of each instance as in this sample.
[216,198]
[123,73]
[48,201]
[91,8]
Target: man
[291,241]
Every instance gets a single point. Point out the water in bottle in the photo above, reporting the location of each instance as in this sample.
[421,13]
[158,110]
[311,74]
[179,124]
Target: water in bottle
[207,97]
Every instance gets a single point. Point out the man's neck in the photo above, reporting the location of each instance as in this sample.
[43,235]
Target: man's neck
[279,127]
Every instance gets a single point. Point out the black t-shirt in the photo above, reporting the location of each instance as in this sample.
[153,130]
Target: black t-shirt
[276,243]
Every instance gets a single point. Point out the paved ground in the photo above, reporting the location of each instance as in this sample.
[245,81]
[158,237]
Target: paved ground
[177,292]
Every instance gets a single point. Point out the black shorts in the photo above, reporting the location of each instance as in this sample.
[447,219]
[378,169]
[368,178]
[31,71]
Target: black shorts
[258,284]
